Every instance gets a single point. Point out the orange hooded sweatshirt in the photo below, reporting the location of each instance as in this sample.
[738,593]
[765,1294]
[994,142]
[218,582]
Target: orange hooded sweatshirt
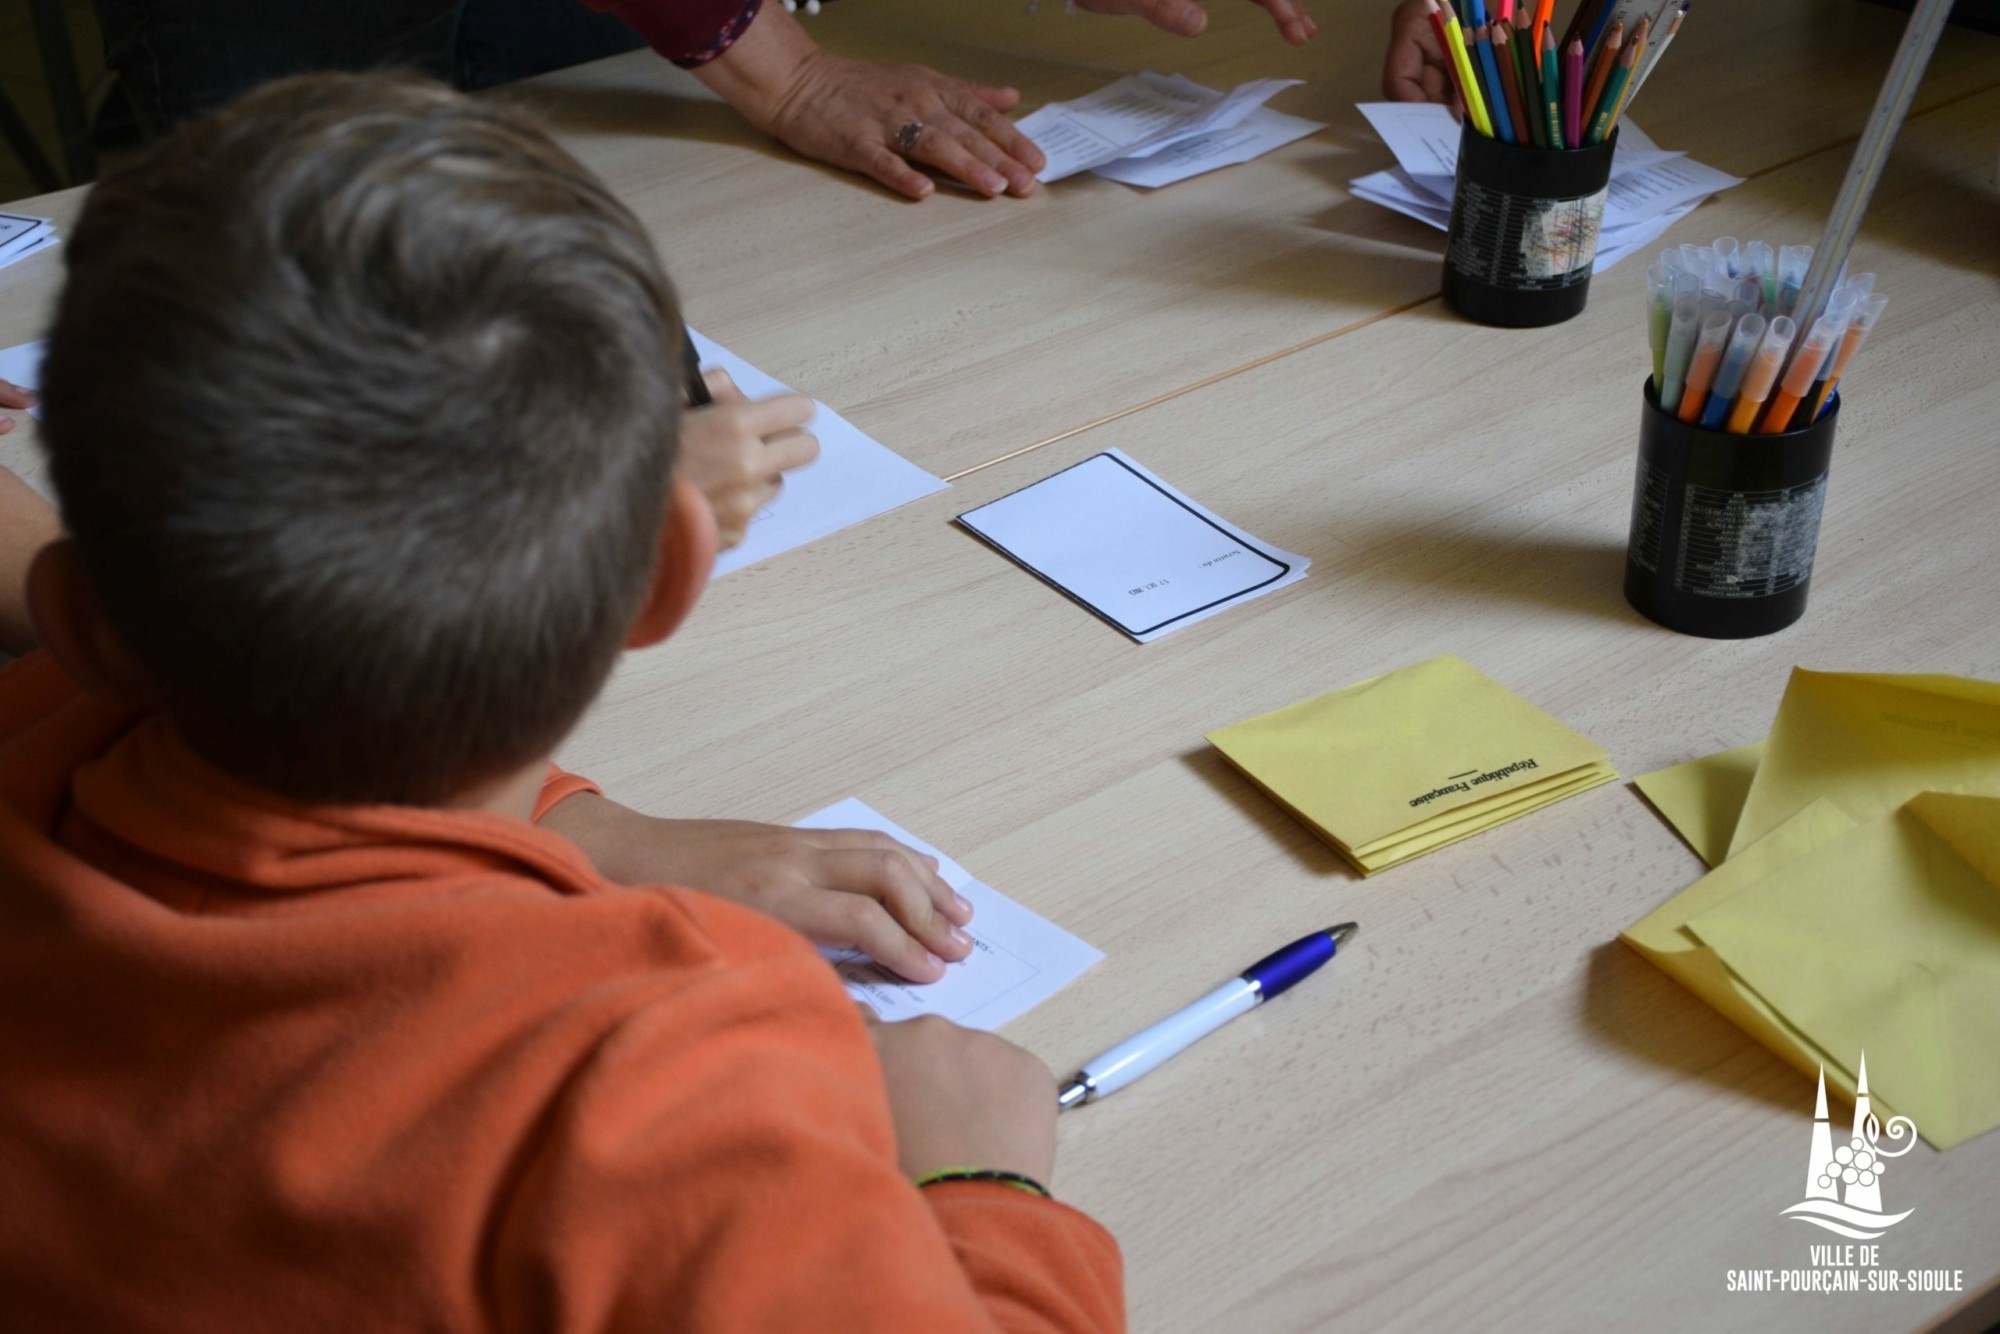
[274,1067]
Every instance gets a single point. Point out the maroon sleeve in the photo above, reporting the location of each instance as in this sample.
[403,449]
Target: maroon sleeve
[687,32]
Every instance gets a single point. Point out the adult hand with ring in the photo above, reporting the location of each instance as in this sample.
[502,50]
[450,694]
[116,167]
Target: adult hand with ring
[884,121]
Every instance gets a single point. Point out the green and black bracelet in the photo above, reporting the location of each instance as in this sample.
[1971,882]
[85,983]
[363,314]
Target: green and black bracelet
[993,1174]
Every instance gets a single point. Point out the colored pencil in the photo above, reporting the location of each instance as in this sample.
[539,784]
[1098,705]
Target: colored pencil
[1468,78]
[1573,94]
[1613,98]
[1510,82]
[1635,50]
[1660,49]
[1552,89]
[1531,86]
[1601,61]
[1496,95]
[1544,11]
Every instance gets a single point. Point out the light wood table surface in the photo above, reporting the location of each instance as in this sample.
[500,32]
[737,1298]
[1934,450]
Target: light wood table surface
[1490,1114]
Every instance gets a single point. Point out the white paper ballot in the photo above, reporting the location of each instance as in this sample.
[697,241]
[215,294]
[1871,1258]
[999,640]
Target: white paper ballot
[1651,188]
[1260,132]
[1136,117]
[1397,189]
[1018,959]
[23,366]
[22,235]
[854,478]
[1424,138]
[1109,534]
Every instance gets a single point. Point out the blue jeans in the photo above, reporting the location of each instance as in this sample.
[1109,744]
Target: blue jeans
[180,58]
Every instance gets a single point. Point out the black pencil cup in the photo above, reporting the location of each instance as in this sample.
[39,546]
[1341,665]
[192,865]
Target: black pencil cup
[1524,224]
[1724,526]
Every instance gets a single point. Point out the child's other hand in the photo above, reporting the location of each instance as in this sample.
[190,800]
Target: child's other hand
[1415,69]
[966,1099]
[737,452]
[13,396]
[846,888]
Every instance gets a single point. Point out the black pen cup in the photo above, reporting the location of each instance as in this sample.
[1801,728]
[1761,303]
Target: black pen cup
[1725,526]
[1524,225]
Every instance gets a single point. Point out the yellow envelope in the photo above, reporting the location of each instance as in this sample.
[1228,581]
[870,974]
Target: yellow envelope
[1662,936]
[1870,743]
[1411,760]
[1702,798]
[1886,940]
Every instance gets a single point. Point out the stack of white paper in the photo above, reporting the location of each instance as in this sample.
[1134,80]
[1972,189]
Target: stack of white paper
[1154,129]
[1018,959]
[22,236]
[1113,537]
[1651,187]
[855,477]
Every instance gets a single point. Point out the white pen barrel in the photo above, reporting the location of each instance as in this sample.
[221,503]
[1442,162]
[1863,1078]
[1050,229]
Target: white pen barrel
[1174,1034]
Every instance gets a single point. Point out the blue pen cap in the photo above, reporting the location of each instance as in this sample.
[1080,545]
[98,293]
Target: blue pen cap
[1284,969]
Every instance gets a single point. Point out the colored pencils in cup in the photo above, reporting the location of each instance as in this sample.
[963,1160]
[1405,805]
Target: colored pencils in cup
[1522,84]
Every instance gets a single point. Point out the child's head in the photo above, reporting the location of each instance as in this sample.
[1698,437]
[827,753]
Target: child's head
[361,409]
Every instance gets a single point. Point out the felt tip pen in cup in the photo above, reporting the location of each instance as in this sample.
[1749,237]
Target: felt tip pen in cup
[1803,370]
[1269,977]
[1793,261]
[1709,345]
[1858,330]
[1770,356]
[1680,350]
[1729,377]
[1728,255]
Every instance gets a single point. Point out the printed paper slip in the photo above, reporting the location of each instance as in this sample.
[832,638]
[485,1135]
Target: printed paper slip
[856,477]
[1110,535]
[1018,961]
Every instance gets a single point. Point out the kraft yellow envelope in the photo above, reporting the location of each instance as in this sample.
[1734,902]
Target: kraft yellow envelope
[1702,798]
[1662,937]
[1411,760]
[1870,743]
[1886,940]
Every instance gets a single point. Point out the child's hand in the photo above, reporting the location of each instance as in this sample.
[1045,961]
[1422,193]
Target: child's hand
[1415,69]
[13,396]
[737,452]
[847,888]
[966,1099]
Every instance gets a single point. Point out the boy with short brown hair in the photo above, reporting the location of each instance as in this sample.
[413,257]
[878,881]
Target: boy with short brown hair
[358,407]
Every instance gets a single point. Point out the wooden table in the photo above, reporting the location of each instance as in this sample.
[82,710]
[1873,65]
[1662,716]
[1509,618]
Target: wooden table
[1492,1115]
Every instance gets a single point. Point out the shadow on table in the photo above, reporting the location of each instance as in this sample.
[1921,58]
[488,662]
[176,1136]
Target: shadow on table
[1274,820]
[645,113]
[1634,1007]
[1581,575]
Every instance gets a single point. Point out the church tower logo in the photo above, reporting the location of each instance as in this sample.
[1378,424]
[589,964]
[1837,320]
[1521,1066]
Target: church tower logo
[1844,1185]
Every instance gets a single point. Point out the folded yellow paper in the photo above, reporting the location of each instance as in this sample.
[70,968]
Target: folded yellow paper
[1858,907]
[1409,761]
[1887,940]
[1702,798]
[1870,743]
[1662,936]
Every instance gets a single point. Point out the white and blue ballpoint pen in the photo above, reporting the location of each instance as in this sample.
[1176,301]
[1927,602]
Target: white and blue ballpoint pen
[1270,976]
